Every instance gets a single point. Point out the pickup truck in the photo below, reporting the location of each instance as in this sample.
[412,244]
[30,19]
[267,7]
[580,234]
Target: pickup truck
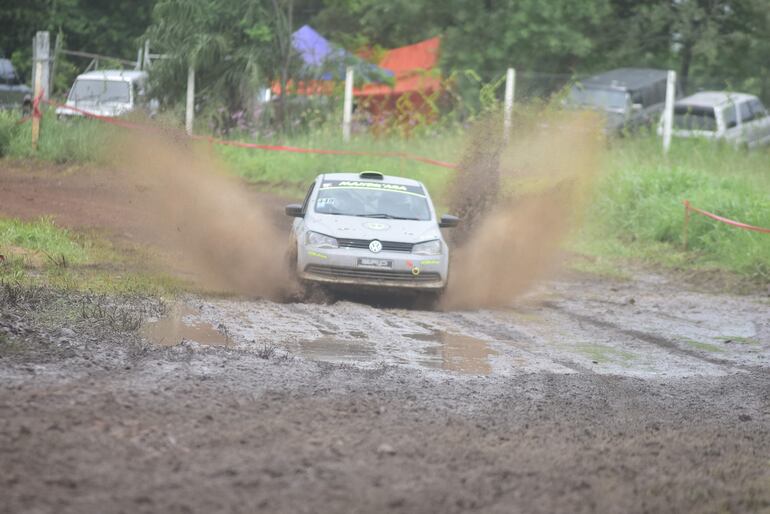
[737,118]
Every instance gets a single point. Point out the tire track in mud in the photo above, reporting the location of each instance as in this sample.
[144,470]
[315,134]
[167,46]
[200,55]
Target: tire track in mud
[653,339]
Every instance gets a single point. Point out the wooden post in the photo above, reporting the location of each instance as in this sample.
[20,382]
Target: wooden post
[190,110]
[36,92]
[668,111]
[42,53]
[686,224]
[347,107]
[510,85]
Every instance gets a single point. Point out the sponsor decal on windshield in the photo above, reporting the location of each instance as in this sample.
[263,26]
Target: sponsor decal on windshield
[377,186]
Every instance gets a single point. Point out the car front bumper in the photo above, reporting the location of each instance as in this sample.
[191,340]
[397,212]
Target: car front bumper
[343,267]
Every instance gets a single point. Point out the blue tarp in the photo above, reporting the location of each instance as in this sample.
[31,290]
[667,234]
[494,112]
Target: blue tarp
[323,61]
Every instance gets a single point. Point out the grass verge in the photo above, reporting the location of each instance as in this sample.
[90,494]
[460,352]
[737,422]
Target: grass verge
[41,253]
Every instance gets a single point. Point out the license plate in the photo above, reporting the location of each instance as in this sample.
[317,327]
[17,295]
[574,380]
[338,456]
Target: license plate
[366,262]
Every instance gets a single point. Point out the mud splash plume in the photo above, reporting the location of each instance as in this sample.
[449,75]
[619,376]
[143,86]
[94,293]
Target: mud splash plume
[199,216]
[520,201]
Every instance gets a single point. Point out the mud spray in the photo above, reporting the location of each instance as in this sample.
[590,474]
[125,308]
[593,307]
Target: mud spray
[518,201]
[203,220]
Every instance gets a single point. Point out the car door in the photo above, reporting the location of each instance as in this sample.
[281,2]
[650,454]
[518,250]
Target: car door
[730,123]
[760,123]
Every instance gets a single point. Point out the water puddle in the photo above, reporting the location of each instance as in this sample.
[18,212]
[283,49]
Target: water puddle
[455,352]
[177,327]
[330,349]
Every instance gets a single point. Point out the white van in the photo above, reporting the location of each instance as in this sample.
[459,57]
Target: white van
[106,93]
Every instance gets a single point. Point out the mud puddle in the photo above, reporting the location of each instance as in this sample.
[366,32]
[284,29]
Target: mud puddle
[331,349]
[183,324]
[456,352]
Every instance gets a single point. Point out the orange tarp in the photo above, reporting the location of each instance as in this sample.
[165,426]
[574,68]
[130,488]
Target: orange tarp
[413,66]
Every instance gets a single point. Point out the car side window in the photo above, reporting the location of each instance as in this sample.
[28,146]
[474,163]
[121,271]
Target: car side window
[758,110]
[728,114]
[745,112]
[307,197]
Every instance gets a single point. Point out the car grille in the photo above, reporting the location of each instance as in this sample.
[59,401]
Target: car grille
[387,246]
[369,274]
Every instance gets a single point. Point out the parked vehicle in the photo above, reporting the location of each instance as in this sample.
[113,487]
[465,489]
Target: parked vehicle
[369,230]
[737,118]
[630,98]
[107,93]
[13,92]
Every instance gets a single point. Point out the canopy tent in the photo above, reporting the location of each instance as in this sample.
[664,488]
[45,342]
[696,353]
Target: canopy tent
[320,60]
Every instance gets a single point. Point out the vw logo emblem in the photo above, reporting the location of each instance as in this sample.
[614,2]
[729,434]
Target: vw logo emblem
[375,246]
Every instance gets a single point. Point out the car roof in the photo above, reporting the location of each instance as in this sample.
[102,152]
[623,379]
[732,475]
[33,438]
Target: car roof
[387,179]
[625,78]
[714,98]
[124,75]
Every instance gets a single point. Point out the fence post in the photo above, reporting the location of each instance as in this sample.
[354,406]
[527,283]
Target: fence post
[510,85]
[190,110]
[668,110]
[42,50]
[686,223]
[146,63]
[347,107]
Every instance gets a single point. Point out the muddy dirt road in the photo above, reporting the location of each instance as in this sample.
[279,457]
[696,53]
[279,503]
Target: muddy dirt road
[589,396]
[586,395]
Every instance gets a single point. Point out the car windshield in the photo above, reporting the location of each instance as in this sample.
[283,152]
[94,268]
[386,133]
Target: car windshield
[372,200]
[689,117]
[605,99]
[94,90]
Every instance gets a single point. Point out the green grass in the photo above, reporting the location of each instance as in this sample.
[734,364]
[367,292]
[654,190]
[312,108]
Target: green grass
[39,252]
[637,210]
[292,172]
[71,141]
[40,238]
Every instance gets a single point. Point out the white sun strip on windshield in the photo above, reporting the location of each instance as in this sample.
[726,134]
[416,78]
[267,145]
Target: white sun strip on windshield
[374,186]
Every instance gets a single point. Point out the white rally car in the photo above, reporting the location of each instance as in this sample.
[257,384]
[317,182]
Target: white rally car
[369,230]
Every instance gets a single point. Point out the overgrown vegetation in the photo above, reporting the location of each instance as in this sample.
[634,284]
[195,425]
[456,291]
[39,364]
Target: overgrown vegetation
[638,211]
[62,142]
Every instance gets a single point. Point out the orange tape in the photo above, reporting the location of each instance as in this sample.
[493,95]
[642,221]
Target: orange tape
[274,148]
[726,221]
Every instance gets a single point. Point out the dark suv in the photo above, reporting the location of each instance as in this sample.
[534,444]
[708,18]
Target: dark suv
[630,98]
[13,93]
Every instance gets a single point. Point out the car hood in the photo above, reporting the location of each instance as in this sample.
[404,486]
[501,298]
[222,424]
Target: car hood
[355,227]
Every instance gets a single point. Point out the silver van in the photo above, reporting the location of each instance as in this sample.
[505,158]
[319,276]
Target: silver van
[106,93]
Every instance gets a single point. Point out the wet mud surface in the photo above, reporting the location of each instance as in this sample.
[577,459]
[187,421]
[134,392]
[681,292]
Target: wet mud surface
[586,396]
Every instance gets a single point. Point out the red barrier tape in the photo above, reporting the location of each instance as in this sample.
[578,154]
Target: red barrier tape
[274,148]
[688,207]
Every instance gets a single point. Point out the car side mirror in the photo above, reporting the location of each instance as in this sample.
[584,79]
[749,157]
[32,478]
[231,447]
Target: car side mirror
[448,221]
[294,210]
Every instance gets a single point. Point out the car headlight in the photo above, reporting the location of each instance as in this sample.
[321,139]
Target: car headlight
[427,248]
[320,240]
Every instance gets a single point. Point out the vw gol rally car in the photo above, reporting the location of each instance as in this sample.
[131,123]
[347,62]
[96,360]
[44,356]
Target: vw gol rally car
[372,230]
